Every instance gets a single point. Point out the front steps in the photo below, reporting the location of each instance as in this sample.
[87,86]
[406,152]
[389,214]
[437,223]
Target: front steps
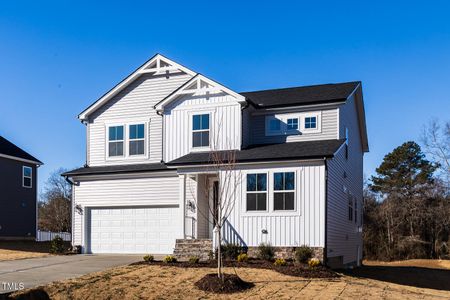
[187,248]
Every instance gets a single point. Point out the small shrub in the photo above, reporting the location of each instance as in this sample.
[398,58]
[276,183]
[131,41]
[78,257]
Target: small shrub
[170,259]
[194,259]
[303,254]
[313,262]
[280,262]
[57,245]
[266,251]
[211,255]
[243,257]
[231,251]
[149,258]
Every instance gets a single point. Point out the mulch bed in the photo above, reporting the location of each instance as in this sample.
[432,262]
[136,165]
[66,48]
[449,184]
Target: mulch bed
[231,283]
[291,269]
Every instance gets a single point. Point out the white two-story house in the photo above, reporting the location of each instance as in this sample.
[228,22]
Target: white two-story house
[150,183]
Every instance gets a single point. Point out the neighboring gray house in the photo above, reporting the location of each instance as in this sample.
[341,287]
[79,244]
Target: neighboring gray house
[18,192]
[148,183]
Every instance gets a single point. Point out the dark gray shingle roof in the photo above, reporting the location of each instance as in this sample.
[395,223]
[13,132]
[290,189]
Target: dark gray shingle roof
[100,170]
[313,94]
[273,152]
[8,148]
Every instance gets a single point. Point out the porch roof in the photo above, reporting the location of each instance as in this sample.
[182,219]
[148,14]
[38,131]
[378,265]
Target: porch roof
[271,152]
[100,170]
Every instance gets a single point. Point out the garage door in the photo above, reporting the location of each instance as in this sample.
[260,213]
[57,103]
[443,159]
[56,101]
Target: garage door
[134,230]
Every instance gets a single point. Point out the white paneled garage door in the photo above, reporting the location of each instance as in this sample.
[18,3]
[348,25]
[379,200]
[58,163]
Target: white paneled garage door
[134,230]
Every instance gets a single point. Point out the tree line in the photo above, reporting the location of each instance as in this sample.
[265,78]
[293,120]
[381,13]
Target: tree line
[407,201]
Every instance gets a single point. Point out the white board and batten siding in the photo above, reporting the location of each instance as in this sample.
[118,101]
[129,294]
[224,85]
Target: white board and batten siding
[304,226]
[328,127]
[148,195]
[225,123]
[343,236]
[132,105]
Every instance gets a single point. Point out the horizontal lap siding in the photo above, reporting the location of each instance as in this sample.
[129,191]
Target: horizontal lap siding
[306,226]
[329,129]
[133,103]
[122,192]
[343,237]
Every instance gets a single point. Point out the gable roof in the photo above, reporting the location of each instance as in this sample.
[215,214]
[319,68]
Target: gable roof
[11,151]
[304,95]
[157,64]
[198,84]
[271,152]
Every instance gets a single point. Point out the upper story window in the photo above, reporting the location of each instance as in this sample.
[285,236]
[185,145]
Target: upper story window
[292,124]
[274,125]
[115,141]
[310,122]
[257,192]
[136,139]
[284,191]
[200,130]
[27,177]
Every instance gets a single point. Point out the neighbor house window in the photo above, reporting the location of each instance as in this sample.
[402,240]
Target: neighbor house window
[27,177]
[350,207]
[200,130]
[356,211]
[115,141]
[310,122]
[137,139]
[284,191]
[256,192]
[292,124]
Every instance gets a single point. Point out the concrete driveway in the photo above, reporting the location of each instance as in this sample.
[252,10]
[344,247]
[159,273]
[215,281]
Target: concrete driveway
[26,273]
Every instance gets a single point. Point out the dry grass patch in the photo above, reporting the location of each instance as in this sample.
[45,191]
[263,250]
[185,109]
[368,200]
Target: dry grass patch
[171,282]
[15,254]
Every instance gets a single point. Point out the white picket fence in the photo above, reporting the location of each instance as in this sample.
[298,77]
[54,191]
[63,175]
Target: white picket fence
[44,236]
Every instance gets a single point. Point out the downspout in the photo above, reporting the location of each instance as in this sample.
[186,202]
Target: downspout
[242,115]
[163,135]
[84,122]
[325,248]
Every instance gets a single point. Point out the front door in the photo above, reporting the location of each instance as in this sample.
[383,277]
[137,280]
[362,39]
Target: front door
[213,204]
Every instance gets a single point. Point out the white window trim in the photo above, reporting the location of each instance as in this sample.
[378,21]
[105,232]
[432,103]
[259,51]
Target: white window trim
[191,114]
[270,212]
[256,192]
[301,123]
[318,129]
[23,177]
[285,191]
[135,140]
[126,155]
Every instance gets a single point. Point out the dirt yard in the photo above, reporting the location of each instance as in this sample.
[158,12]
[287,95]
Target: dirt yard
[10,250]
[374,281]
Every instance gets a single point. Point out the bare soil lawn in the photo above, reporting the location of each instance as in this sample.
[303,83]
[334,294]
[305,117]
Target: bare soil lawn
[374,281]
[10,250]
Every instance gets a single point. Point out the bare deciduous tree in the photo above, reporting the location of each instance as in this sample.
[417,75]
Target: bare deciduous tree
[55,205]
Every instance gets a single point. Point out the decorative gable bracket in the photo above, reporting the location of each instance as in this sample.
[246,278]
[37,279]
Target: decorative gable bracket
[199,85]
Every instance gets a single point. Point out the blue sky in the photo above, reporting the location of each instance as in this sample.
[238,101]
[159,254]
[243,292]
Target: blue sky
[58,57]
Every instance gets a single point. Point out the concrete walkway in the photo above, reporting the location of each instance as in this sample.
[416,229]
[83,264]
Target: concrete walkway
[26,273]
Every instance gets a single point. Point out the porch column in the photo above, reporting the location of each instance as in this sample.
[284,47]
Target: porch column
[182,187]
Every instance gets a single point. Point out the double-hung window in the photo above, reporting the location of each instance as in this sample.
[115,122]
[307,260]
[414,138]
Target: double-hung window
[136,139]
[310,122]
[115,141]
[292,124]
[27,177]
[284,191]
[200,130]
[257,192]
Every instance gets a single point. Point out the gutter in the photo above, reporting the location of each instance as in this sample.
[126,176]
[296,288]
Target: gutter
[325,248]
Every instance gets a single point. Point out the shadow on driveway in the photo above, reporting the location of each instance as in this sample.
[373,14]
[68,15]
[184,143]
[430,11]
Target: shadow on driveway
[437,279]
